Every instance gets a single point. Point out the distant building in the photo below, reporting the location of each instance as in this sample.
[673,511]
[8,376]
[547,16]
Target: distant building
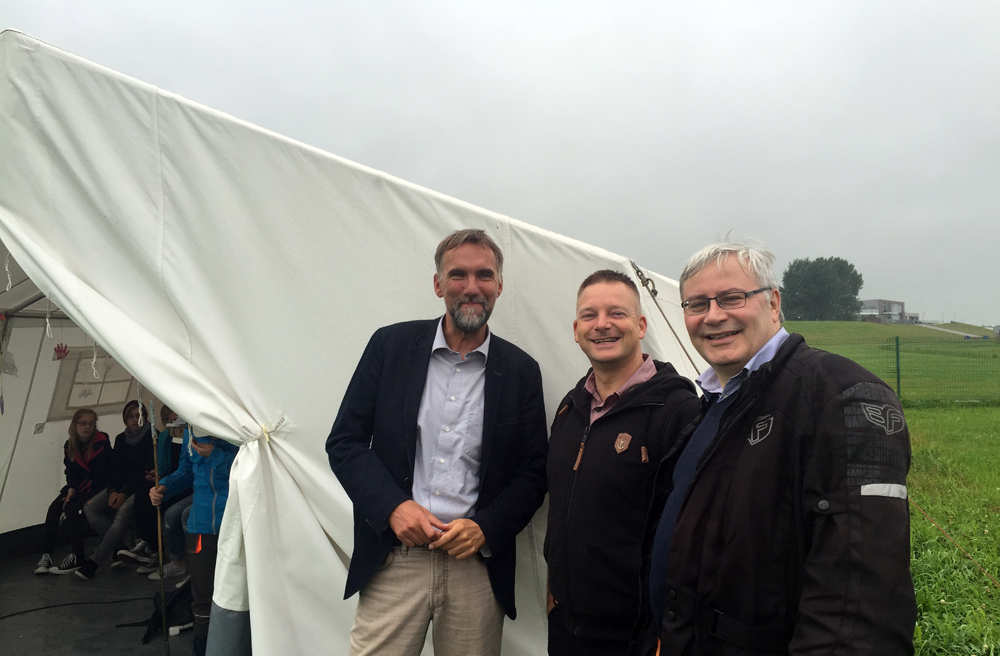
[912,317]
[880,310]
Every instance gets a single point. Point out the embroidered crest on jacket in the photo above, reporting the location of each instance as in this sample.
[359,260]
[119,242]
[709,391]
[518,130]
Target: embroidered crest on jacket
[761,428]
[624,439]
[885,417]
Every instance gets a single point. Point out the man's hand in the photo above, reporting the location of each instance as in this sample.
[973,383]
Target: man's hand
[461,538]
[115,500]
[414,525]
[151,475]
[156,494]
[204,450]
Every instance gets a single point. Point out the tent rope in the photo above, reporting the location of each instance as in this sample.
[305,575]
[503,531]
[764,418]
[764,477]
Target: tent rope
[910,499]
[93,366]
[6,267]
[650,287]
[48,317]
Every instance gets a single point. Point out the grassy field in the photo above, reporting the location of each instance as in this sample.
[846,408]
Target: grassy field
[955,477]
[826,331]
[935,368]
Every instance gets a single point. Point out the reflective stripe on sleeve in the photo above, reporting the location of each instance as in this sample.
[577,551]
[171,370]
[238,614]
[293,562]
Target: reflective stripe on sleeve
[884,490]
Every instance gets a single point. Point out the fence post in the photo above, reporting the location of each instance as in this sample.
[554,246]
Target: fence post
[899,392]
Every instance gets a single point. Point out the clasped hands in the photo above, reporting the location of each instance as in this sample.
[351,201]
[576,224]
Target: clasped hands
[415,526]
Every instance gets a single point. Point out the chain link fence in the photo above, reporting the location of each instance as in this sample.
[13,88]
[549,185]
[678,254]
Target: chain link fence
[931,371]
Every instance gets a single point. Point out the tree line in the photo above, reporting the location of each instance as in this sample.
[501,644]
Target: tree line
[824,289]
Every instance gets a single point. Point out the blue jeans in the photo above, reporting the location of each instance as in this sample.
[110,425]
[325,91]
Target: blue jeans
[174,520]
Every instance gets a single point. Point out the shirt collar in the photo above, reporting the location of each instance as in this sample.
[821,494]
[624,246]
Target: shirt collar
[441,343]
[645,371]
[709,380]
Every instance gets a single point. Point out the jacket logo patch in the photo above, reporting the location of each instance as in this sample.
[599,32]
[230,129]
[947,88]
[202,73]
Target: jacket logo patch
[624,439]
[885,417]
[761,428]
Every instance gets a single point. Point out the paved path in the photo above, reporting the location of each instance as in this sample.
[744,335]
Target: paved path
[953,332]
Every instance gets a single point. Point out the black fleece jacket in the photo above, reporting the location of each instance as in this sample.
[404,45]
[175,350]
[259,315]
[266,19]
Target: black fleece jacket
[131,463]
[601,516]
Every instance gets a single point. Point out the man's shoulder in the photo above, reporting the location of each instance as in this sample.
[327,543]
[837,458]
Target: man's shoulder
[815,369]
[406,328]
[510,352]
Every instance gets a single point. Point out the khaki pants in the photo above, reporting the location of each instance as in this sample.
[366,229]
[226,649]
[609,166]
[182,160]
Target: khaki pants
[417,586]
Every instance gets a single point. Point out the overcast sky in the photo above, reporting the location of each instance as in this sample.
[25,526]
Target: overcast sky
[864,130]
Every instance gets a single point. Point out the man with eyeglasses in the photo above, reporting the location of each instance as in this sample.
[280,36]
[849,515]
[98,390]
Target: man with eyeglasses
[786,528]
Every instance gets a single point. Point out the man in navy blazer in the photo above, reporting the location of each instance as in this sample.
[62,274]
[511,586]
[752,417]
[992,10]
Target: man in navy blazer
[440,442]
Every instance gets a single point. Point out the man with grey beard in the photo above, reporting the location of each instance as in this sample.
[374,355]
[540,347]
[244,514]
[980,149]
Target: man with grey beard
[440,442]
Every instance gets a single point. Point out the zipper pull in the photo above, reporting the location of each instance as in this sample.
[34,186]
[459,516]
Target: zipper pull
[583,444]
[645,454]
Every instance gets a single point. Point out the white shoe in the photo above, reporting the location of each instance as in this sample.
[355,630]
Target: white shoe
[170,570]
[44,564]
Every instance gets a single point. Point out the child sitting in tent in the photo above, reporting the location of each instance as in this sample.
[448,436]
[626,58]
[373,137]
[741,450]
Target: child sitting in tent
[174,516]
[87,458]
[110,513]
[205,463]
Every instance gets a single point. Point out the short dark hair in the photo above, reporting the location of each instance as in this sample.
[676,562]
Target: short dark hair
[134,404]
[468,236]
[608,275]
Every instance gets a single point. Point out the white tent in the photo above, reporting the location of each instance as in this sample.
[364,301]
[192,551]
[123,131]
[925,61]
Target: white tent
[238,275]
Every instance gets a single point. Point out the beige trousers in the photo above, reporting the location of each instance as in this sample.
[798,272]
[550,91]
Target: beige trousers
[417,586]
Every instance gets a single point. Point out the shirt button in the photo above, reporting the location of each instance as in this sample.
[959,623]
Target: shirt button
[671,594]
[458,370]
[453,398]
[437,493]
[442,461]
[669,616]
[447,429]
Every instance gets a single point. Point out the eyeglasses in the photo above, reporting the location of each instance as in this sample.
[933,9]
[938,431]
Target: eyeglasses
[727,301]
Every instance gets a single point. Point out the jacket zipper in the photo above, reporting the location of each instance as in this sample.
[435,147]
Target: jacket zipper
[215,494]
[572,487]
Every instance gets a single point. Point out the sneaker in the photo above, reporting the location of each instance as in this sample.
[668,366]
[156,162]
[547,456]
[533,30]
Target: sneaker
[68,565]
[87,570]
[117,564]
[44,564]
[170,570]
[137,555]
[147,569]
[184,579]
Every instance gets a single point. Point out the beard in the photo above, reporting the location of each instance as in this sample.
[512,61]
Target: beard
[469,321]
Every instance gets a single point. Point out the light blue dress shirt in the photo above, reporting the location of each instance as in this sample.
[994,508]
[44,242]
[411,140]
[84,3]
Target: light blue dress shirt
[450,431]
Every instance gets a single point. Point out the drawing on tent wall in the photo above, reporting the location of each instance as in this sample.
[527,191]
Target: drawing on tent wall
[84,381]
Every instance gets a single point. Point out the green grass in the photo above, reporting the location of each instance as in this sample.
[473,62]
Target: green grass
[827,331]
[955,477]
[968,328]
[935,368]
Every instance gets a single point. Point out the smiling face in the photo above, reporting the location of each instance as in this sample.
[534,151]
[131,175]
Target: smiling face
[727,339]
[469,284]
[609,325]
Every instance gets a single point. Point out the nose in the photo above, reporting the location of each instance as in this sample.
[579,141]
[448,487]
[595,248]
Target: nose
[715,312]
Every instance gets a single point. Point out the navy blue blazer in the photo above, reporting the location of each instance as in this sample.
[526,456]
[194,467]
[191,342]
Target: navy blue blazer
[373,443]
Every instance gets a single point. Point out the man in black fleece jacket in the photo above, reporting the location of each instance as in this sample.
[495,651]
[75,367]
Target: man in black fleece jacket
[111,511]
[608,437]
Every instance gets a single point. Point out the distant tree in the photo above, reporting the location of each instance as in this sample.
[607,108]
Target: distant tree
[824,289]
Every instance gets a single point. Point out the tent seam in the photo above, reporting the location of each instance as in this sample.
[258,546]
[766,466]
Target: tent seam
[162,220]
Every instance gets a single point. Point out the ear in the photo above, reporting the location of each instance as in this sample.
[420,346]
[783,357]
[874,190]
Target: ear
[575,338]
[500,287]
[775,306]
[642,326]
[437,287]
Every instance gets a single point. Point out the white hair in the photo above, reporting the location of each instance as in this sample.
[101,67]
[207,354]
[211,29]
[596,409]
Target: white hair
[757,261]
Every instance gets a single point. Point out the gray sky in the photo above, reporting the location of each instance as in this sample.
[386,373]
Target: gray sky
[865,130]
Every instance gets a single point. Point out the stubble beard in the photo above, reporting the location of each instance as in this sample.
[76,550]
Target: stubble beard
[471,321]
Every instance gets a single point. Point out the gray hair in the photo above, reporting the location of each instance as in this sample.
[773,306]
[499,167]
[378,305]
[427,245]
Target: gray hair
[757,261]
[468,236]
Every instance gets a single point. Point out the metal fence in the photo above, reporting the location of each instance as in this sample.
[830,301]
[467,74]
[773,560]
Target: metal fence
[929,372]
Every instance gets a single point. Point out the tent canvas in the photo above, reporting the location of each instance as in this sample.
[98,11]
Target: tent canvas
[239,274]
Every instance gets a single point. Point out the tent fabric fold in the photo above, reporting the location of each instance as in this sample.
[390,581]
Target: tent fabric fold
[238,275]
